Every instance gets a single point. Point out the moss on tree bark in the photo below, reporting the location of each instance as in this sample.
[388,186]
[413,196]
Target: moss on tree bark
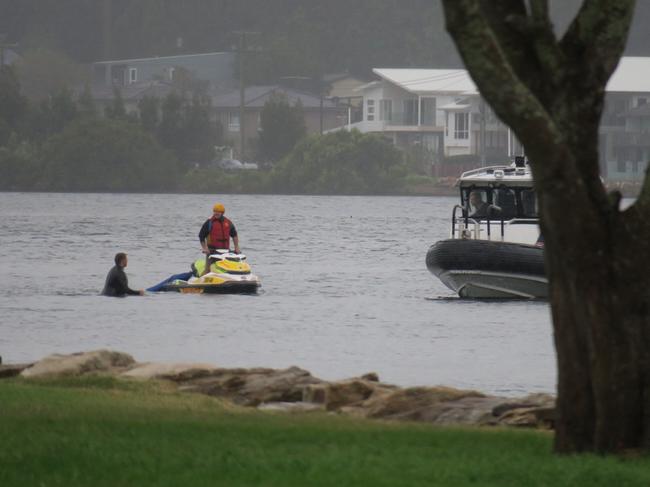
[551,92]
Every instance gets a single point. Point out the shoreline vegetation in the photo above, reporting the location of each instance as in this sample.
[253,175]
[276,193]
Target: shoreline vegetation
[80,419]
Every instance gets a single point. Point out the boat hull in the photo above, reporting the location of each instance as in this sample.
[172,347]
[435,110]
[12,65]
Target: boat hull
[487,269]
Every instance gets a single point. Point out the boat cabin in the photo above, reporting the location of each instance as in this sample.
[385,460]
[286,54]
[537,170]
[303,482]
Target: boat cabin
[497,203]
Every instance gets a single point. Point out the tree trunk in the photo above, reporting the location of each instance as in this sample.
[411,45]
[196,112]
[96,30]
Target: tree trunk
[600,319]
[551,94]
[600,300]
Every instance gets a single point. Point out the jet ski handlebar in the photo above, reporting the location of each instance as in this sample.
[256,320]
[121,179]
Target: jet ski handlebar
[226,255]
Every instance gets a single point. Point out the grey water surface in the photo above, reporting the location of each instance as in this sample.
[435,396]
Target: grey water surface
[345,290]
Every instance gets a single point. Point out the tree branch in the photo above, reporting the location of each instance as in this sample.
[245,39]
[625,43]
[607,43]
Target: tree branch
[496,75]
[596,39]
[546,46]
[642,203]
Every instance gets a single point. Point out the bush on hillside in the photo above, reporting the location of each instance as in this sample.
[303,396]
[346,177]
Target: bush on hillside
[106,155]
[341,163]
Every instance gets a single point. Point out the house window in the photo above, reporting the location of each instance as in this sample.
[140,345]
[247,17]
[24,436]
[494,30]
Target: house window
[386,110]
[428,112]
[370,110]
[619,106]
[133,75]
[641,101]
[461,126]
[233,121]
[411,111]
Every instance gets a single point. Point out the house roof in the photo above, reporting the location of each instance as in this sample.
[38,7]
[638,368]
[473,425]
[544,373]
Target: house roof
[163,58]
[452,107]
[134,91]
[257,96]
[640,111]
[426,81]
[631,75]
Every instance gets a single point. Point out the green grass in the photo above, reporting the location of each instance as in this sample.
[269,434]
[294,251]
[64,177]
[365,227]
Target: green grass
[107,432]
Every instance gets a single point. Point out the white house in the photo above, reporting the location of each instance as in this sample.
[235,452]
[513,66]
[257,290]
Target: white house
[443,110]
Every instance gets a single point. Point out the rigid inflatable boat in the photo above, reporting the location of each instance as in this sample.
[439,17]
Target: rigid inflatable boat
[495,249]
[229,273]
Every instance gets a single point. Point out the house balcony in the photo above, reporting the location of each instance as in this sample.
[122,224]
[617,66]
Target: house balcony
[639,138]
[408,121]
[608,120]
[397,123]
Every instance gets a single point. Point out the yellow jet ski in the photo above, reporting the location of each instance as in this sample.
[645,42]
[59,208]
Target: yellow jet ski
[229,273]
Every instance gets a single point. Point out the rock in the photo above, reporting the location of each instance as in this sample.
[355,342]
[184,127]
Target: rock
[290,407]
[414,403]
[371,377]
[533,411]
[464,411]
[12,370]
[296,390]
[335,395]
[99,361]
[540,399]
[251,387]
[177,372]
[529,417]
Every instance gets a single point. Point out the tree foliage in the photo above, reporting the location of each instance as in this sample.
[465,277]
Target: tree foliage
[116,110]
[13,105]
[340,163]
[282,126]
[148,108]
[298,37]
[44,72]
[106,155]
[185,128]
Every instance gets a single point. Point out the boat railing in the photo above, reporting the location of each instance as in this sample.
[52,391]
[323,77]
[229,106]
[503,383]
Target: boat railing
[480,170]
[489,223]
[466,219]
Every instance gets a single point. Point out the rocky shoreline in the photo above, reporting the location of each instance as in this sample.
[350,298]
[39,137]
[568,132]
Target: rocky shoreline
[296,390]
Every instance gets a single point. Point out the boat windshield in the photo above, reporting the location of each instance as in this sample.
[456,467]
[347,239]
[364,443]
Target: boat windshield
[498,202]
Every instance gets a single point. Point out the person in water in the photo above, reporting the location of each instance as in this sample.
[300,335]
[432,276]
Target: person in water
[117,284]
[216,233]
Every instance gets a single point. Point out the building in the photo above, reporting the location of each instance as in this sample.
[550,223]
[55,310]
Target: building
[214,69]
[442,111]
[625,125]
[343,89]
[131,94]
[320,113]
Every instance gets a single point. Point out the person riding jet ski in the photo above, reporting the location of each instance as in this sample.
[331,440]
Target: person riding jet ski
[216,233]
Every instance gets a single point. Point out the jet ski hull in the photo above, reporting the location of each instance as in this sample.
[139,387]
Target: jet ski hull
[229,274]
[236,287]
[487,269]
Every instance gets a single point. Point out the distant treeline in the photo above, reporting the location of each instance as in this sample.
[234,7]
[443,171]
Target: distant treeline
[292,37]
[64,143]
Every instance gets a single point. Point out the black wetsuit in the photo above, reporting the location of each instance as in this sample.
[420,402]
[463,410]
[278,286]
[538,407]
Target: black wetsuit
[117,284]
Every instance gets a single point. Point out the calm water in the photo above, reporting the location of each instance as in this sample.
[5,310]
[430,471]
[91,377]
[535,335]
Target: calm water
[345,290]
